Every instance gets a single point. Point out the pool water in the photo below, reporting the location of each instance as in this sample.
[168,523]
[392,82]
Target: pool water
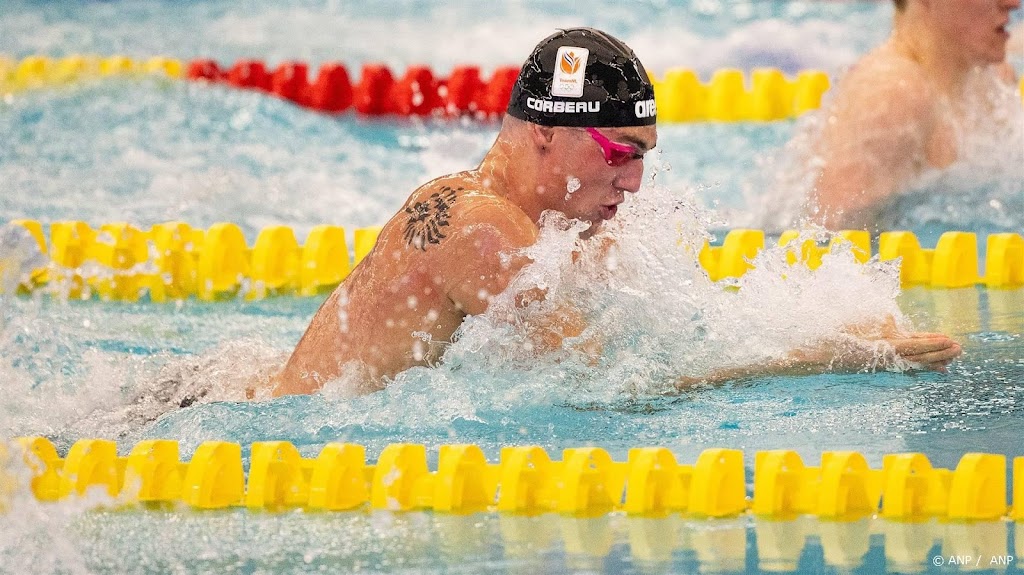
[70,364]
[247,542]
[146,151]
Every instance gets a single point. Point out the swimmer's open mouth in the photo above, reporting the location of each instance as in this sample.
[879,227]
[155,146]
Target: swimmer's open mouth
[608,210]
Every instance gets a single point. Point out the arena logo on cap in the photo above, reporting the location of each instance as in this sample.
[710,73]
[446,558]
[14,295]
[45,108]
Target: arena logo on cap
[570,68]
[645,109]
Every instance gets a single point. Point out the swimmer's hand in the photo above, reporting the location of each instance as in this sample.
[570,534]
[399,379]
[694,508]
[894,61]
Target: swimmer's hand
[925,351]
[929,351]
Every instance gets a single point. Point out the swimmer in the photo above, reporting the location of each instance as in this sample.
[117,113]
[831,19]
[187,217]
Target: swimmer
[896,111]
[581,119]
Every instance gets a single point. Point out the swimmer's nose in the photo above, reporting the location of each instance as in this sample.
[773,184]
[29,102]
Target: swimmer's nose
[630,176]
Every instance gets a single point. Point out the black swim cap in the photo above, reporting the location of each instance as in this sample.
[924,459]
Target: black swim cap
[583,77]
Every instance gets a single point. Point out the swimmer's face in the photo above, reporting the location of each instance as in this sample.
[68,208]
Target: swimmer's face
[597,174]
[978,27]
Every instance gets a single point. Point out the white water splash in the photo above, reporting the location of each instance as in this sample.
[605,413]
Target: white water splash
[654,312]
[44,527]
[116,395]
[20,257]
[572,184]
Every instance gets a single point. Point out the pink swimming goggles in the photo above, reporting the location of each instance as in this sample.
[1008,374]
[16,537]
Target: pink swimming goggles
[615,154]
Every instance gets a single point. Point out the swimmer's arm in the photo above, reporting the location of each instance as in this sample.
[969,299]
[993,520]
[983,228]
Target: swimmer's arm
[294,377]
[926,351]
[550,331]
[480,258]
[482,262]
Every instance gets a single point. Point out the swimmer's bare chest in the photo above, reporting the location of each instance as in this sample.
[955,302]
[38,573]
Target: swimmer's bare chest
[936,127]
[940,149]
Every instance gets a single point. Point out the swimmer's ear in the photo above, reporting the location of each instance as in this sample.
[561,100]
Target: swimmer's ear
[541,135]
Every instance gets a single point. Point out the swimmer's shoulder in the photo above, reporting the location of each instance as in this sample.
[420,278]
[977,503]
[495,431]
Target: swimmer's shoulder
[470,199]
[886,86]
[887,72]
[461,206]
[446,190]
[452,190]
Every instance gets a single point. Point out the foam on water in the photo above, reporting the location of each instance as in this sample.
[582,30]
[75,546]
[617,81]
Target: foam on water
[116,395]
[19,257]
[654,312]
[74,369]
[37,537]
[650,307]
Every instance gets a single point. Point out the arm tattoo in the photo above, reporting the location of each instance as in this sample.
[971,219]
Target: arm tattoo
[426,219]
